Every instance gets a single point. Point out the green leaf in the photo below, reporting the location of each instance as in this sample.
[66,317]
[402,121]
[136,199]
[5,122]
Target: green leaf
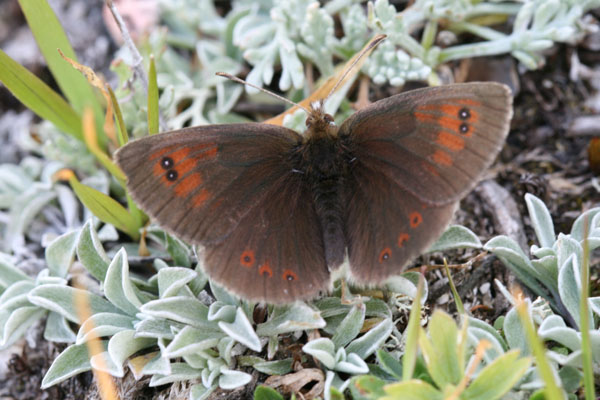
[200,392]
[455,237]
[118,288]
[367,387]
[412,335]
[72,361]
[233,379]
[91,253]
[50,36]
[39,97]
[368,343]
[350,326]
[323,350]
[14,324]
[497,378]
[60,253]
[181,309]
[292,318]
[191,340]
[179,251]
[152,99]
[103,325]
[106,208]
[58,329]
[241,330]
[541,220]
[389,364]
[122,136]
[411,390]
[171,280]
[179,372]
[266,393]
[279,367]
[62,299]
[442,357]
[10,274]
[120,347]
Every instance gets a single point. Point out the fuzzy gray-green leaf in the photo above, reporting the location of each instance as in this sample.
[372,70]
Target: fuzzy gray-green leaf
[455,237]
[91,253]
[72,361]
[103,325]
[368,343]
[60,253]
[541,220]
[118,288]
[61,299]
[241,330]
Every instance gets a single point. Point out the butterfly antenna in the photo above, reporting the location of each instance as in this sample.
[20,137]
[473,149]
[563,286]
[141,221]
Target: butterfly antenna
[370,46]
[238,80]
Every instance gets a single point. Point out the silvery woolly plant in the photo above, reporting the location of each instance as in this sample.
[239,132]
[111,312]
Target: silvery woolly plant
[168,318]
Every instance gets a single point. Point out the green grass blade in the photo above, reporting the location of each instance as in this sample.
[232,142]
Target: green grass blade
[122,136]
[412,331]
[50,36]
[586,346]
[105,208]
[457,300]
[552,391]
[152,99]
[39,97]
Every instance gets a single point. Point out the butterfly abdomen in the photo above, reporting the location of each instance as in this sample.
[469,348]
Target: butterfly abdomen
[323,164]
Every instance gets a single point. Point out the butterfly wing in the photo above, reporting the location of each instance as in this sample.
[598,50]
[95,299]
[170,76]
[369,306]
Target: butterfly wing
[232,190]
[433,142]
[415,155]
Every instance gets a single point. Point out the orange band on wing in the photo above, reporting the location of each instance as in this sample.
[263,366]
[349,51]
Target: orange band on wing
[442,158]
[187,185]
[201,198]
[450,141]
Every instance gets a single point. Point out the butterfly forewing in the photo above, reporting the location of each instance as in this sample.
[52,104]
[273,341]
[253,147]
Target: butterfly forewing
[199,182]
[433,142]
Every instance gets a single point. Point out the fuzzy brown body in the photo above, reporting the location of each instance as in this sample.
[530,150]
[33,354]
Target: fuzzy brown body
[324,161]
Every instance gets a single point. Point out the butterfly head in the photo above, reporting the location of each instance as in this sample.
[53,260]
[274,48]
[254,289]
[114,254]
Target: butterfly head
[319,123]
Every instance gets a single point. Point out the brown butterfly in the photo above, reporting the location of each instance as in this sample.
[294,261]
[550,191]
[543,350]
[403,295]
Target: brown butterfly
[276,212]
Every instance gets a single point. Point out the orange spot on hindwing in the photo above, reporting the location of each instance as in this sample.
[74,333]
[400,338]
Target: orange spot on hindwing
[289,275]
[403,237]
[385,254]
[247,259]
[415,218]
[266,269]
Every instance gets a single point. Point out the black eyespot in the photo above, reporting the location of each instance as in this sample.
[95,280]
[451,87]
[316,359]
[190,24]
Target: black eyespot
[172,175]
[464,128]
[464,113]
[290,278]
[247,259]
[385,256]
[166,162]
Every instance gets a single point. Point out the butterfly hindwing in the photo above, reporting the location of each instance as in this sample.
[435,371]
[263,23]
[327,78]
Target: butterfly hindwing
[276,252]
[387,226]
[433,142]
